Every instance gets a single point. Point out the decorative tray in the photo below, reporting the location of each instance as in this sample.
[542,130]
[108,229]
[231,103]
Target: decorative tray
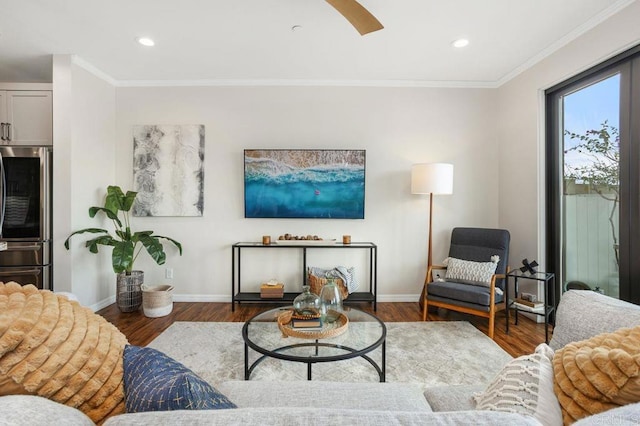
[304,242]
[328,330]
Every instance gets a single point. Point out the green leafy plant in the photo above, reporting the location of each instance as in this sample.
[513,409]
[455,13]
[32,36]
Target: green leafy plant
[126,245]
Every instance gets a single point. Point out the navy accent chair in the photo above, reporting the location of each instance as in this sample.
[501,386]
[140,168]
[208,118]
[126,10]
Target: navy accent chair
[478,245]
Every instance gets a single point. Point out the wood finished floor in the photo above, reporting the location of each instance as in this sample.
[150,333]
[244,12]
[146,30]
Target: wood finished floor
[140,330]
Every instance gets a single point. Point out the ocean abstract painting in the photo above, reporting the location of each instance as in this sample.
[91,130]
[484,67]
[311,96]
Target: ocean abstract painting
[304,183]
[168,170]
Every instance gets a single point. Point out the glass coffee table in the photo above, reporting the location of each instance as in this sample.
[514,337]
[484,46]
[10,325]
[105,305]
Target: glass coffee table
[364,334]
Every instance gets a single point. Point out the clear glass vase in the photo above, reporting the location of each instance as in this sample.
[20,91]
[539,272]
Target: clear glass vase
[307,303]
[331,301]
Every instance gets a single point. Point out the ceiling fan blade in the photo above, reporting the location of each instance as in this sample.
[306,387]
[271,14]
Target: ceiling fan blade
[360,18]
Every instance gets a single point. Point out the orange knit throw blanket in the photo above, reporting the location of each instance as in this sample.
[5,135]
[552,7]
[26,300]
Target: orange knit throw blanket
[57,349]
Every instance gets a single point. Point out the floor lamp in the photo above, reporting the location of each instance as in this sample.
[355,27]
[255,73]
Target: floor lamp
[431,178]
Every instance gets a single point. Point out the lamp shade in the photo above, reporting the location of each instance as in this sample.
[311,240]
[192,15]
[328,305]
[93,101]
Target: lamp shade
[432,178]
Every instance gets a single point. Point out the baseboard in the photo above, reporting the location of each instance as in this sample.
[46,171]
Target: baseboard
[103,303]
[227,298]
[222,298]
[202,298]
[399,297]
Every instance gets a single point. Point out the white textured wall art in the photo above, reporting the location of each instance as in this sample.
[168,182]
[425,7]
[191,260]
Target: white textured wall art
[168,170]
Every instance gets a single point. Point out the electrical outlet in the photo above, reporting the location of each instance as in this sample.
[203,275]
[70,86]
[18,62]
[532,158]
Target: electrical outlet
[168,273]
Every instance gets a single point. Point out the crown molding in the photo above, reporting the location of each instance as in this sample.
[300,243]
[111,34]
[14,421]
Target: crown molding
[577,32]
[307,83]
[77,60]
[280,82]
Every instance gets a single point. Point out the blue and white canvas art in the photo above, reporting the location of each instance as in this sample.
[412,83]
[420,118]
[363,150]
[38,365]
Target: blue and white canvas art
[168,170]
[304,183]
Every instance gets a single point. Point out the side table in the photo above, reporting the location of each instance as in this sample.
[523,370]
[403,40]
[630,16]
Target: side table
[548,279]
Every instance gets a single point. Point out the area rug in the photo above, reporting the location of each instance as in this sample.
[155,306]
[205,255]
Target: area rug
[427,353]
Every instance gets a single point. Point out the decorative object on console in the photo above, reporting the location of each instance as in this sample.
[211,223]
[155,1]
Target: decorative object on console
[289,237]
[168,170]
[126,246]
[328,184]
[272,290]
[529,267]
[344,279]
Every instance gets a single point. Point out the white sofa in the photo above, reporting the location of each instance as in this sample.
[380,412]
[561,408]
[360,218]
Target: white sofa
[580,315]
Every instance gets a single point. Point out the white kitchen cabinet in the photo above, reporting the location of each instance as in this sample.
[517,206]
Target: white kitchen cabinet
[26,117]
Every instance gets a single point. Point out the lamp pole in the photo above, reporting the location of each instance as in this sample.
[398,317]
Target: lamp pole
[431,178]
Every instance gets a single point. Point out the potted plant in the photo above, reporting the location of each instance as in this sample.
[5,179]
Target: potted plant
[126,245]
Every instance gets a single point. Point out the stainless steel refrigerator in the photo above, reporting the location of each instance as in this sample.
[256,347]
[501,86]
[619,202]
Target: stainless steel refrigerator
[25,215]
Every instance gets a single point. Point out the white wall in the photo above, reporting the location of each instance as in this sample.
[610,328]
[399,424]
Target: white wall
[520,123]
[493,137]
[396,126]
[84,157]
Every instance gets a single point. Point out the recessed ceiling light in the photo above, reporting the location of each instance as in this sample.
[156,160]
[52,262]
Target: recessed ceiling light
[461,42]
[146,41]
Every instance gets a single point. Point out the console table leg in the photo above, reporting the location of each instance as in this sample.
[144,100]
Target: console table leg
[308,371]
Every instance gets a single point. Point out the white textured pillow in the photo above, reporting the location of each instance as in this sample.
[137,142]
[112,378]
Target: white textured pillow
[525,386]
[466,271]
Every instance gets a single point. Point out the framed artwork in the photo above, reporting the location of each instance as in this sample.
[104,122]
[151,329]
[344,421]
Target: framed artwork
[304,183]
[168,170]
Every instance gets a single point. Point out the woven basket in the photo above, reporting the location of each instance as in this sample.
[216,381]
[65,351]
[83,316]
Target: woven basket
[316,283]
[157,301]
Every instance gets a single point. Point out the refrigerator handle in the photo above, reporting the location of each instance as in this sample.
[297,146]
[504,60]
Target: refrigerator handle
[27,271]
[3,195]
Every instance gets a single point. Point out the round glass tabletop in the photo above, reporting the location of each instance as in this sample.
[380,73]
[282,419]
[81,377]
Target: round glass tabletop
[364,333]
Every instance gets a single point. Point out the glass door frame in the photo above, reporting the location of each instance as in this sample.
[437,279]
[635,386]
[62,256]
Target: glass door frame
[627,65]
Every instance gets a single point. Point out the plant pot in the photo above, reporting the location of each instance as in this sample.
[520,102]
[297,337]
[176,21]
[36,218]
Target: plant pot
[129,291]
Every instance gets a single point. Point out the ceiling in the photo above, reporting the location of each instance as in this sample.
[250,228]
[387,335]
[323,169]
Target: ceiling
[252,42]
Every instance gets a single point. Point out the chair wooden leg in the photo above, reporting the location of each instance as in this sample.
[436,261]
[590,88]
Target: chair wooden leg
[425,307]
[492,322]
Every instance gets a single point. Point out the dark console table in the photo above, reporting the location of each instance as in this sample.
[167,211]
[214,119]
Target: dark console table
[239,296]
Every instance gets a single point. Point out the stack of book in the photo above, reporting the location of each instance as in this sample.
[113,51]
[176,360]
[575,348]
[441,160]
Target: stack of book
[272,291]
[527,305]
[307,323]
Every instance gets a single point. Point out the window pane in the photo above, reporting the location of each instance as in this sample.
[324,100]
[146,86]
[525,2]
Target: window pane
[591,120]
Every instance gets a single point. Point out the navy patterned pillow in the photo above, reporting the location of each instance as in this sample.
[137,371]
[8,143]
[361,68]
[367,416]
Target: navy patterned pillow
[155,382]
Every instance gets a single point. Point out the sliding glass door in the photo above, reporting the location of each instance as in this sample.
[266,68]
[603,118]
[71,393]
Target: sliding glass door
[591,186]
[593,168]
